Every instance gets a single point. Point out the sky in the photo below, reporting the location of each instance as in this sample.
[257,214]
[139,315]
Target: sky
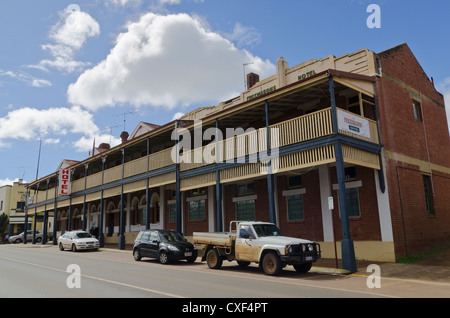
[74,72]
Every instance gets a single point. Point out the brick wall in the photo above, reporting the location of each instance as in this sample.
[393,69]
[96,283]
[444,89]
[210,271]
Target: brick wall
[426,140]
[367,225]
[311,226]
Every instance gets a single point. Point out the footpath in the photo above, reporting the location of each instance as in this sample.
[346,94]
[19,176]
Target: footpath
[434,268]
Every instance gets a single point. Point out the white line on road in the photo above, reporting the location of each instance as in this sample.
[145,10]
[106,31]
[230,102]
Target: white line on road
[97,278]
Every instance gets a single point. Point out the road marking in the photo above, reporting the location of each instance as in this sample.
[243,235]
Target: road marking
[97,278]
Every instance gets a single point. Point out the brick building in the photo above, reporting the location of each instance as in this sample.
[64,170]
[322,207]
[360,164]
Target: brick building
[366,129]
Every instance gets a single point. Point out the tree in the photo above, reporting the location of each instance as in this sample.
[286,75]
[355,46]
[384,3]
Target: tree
[4,222]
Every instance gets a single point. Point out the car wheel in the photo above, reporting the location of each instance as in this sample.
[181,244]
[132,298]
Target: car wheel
[271,264]
[17,241]
[303,268]
[136,255]
[61,248]
[39,239]
[163,257]
[193,258]
[213,259]
[74,248]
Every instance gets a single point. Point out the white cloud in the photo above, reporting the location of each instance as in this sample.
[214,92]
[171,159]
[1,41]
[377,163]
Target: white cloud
[170,61]
[68,36]
[7,181]
[123,2]
[30,123]
[86,143]
[244,36]
[26,78]
[177,115]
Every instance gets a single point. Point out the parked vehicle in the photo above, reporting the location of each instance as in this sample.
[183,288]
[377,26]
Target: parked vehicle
[78,240]
[259,242]
[164,245]
[19,238]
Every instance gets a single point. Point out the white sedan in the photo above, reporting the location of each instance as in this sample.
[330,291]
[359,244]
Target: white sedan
[78,240]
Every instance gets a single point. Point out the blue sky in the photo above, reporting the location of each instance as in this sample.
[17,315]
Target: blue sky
[69,70]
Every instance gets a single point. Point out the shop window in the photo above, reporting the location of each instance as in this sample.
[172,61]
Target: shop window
[245,210]
[196,210]
[428,195]
[417,110]
[295,207]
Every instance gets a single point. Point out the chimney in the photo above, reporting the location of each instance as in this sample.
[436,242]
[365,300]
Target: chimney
[252,79]
[124,136]
[104,147]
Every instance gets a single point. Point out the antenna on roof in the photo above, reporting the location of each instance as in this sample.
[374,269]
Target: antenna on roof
[124,117]
[110,128]
[39,159]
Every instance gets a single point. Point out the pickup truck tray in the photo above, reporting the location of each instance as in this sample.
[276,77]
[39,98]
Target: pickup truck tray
[225,239]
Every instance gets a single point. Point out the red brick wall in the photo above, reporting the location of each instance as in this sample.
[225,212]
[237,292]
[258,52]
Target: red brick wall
[414,230]
[367,225]
[400,130]
[311,226]
[426,140]
[261,203]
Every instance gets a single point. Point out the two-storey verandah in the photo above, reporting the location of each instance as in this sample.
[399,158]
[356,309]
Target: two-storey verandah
[141,184]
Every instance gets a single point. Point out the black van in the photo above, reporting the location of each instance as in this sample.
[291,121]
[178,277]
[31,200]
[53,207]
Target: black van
[165,245]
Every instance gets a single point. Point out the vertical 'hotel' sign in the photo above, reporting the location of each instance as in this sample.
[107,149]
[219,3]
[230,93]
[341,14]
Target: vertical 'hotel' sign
[64,182]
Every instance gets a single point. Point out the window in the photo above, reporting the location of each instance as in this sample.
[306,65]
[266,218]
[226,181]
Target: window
[196,210]
[245,189]
[172,212]
[198,191]
[245,210]
[154,237]
[245,231]
[350,173]
[295,207]
[417,110]
[295,181]
[352,200]
[145,236]
[428,194]
[353,105]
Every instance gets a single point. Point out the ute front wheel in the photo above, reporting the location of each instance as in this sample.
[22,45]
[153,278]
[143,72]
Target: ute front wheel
[271,264]
[303,268]
[213,259]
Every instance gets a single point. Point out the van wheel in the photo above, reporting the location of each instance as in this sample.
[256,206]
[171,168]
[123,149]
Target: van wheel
[271,264]
[213,259]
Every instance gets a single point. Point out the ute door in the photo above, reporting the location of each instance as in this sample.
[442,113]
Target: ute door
[247,247]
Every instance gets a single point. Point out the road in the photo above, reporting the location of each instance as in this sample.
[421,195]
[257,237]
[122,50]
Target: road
[45,272]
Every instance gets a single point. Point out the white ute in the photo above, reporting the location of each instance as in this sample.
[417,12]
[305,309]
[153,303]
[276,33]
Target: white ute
[259,242]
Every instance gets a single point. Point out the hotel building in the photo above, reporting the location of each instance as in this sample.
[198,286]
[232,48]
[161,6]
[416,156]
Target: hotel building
[353,149]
